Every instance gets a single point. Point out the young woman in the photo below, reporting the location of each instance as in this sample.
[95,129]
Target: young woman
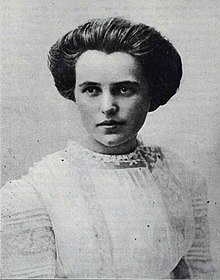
[109,207]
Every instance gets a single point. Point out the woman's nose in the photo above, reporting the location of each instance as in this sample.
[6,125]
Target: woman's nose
[109,105]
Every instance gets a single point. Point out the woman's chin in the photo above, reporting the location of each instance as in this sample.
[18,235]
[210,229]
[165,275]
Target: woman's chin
[113,144]
[112,140]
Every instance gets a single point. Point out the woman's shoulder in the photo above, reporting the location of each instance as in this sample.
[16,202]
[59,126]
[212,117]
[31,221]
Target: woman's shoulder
[21,199]
[163,157]
[69,156]
[24,186]
[166,162]
[25,196]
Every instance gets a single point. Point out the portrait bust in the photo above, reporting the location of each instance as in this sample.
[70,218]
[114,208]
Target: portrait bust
[109,206]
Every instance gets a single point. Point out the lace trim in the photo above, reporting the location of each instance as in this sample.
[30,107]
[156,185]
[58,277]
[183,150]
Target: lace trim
[116,159]
[138,158]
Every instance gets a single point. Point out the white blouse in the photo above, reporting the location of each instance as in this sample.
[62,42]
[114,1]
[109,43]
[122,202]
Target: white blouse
[80,214]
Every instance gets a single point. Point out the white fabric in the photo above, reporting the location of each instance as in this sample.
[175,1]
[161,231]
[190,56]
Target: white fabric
[125,216]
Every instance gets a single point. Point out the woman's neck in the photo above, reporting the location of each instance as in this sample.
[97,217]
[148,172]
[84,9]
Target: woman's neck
[123,148]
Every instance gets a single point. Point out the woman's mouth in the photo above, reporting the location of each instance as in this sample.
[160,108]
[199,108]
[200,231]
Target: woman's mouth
[110,123]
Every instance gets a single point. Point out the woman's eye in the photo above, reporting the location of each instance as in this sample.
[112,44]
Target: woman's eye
[91,91]
[126,90]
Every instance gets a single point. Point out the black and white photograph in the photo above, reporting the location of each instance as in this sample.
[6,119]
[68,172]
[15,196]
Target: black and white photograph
[110,139]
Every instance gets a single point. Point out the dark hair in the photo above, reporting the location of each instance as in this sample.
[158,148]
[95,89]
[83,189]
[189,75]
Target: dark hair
[160,61]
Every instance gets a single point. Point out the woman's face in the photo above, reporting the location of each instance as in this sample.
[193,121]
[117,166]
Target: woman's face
[113,99]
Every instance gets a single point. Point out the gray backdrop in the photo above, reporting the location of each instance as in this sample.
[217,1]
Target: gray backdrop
[37,121]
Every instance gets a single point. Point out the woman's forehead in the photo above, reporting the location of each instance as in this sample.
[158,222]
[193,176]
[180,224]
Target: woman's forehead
[115,66]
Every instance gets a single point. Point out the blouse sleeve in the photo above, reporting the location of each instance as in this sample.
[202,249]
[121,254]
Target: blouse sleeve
[27,240]
[198,257]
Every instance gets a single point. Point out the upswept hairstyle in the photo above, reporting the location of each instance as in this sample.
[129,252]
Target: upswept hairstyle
[160,61]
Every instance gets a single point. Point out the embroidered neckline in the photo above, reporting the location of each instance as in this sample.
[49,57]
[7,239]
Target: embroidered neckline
[141,156]
[129,157]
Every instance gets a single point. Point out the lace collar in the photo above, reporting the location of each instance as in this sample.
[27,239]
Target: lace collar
[141,156]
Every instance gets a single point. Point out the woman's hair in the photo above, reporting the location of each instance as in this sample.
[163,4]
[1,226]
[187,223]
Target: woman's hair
[160,62]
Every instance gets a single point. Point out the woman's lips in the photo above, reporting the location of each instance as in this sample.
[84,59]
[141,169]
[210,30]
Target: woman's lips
[110,124]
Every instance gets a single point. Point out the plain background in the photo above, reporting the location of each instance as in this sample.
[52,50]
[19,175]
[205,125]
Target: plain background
[37,121]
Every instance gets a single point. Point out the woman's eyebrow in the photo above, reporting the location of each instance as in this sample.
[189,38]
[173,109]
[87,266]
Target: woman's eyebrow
[127,83]
[89,83]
